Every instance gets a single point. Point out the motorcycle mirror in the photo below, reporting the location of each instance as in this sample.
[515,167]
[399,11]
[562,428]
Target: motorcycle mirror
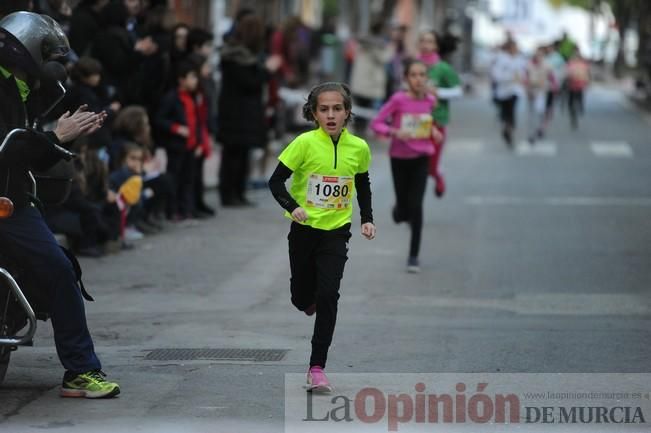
[52,77]
[6,207]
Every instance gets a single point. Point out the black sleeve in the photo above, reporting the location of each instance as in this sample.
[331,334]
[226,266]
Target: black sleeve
[43,154]
[35,150]
[363,187]
[277,187]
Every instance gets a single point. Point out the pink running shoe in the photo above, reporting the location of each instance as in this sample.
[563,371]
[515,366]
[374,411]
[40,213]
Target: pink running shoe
[317,381]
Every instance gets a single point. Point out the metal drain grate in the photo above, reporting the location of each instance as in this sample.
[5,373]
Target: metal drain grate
[255,355]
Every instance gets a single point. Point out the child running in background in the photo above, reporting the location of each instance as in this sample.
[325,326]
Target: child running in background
[444,83]
[412,145]
[578,78]
[539,79]
[507,72]
[328,165]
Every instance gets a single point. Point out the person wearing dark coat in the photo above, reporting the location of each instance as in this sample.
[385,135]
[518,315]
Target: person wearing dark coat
[241,107]
[85,23]
[120,55]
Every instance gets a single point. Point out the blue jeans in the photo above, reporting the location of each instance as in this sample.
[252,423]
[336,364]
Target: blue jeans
[27,239]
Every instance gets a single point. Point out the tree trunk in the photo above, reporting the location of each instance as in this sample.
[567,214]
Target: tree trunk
[644,48]
[388,8]
[644,32]
[623,12]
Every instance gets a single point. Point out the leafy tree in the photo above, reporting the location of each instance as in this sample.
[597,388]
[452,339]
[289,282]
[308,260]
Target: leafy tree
[585,4]
[627,13]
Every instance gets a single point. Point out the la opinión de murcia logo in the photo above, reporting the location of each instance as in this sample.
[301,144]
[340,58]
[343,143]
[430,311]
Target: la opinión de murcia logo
[372,406]
[584,415]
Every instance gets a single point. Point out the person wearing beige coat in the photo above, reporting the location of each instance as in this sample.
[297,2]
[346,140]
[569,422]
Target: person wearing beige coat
[369,74]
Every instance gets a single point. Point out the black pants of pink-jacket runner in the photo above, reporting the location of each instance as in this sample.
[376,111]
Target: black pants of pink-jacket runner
[409,182]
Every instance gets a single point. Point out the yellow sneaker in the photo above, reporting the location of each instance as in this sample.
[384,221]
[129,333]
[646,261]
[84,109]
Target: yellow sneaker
[91,384]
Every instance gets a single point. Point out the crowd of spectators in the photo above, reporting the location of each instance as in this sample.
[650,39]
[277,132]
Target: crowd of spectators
[143,170]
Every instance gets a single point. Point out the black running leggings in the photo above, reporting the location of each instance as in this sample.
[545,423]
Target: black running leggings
[507,111]
[409,182]
[317,259]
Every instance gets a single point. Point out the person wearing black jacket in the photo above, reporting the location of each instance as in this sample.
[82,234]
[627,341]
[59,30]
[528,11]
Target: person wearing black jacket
[241,109]
[29,41]
[85,22]
[183,124]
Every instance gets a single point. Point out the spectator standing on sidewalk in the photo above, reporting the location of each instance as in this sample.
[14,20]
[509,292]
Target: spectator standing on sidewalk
[207,113]
[182,118]
[120,54]
[242,123]
[328,165]
[291,44]
[369,74]
[85,23]
[395,70]
[178,50]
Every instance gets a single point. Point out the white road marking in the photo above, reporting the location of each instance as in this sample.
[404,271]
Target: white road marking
[611,149]
[464,146]
[540,148]
[556,303]
[559,201]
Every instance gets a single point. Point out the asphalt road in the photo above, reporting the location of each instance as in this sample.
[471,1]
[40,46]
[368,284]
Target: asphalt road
[535,261]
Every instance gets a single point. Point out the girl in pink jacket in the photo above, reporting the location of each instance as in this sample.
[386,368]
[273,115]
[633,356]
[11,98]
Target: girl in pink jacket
[407,118]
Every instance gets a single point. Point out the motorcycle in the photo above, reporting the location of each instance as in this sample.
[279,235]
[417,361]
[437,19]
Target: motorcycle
[16,307]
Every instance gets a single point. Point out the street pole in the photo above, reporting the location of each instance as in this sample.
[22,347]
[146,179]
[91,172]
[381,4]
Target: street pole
[364,17]
[427,16]
[218,12]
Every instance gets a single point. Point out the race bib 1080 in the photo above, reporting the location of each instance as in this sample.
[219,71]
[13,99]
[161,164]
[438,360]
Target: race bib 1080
[417,125]
[329,192]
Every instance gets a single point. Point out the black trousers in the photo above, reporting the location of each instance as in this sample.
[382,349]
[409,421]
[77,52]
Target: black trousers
[26,239]
[233,173]
[575,105]
[181,166]
[507,111]
[409,183]
[317,259]
[199,187]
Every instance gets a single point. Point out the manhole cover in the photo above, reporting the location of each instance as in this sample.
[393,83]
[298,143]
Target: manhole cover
[256,355]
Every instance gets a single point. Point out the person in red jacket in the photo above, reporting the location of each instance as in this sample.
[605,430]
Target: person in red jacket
[183,119]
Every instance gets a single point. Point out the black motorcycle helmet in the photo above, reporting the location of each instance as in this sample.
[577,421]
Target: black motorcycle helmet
[29,41]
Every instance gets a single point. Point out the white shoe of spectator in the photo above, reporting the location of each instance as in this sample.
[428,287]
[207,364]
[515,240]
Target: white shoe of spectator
[132,234]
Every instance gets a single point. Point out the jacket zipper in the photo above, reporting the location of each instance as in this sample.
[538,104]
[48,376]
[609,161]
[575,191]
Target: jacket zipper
[335,145]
